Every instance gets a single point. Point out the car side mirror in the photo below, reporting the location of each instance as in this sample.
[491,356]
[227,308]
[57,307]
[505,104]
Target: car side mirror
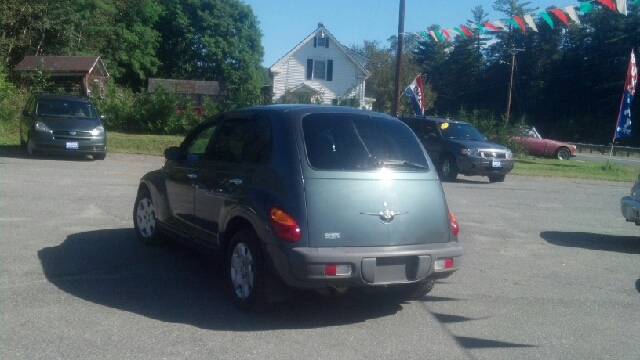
[25,112]
[172,153]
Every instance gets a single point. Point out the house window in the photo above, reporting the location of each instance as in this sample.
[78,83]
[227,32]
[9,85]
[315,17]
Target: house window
[323,41]
[320,69]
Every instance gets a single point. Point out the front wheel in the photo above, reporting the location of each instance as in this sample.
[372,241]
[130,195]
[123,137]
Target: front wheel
[246,275]
[563,154]
[496,178]
[31,148]
[448,168]
[144,219]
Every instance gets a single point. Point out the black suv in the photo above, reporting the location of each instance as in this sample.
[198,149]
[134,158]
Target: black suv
[456,147]
[62,124]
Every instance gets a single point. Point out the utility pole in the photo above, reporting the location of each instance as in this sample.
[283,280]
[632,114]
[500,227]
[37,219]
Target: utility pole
[396,100]
[513,65]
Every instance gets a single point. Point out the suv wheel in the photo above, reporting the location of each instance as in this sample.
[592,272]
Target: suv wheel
[144,219]
[448,168]
[246,272]
[31,148]
[496,178]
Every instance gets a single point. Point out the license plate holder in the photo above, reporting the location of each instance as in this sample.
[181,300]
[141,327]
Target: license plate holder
[72,145]
[495,163]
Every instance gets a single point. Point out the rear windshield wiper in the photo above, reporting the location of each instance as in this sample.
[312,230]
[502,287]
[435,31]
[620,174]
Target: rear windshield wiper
[391,162]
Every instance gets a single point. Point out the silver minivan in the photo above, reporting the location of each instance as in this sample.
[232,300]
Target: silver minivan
[305,197]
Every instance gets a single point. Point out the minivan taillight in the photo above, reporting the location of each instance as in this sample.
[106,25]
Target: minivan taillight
[455,229]
[284,225]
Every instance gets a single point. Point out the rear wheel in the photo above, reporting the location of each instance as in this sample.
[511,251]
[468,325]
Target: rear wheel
[246,274]
[144,219]
[563,154]
[414,291]
[448,168]
[496,178]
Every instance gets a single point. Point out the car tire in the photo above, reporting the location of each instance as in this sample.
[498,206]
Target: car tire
[31,148]
[448,168]
[563,153]
[145,221]
[496,178]
[246,275]
[413,291]
[99,156]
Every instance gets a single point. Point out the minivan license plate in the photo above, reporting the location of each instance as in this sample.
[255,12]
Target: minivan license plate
[495,163]
[72,145]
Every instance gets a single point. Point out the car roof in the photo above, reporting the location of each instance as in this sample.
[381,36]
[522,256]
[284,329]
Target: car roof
[303,109]
[436,119]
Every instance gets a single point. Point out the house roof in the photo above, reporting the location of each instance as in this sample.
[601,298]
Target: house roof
[304,88]
[63,64]
[347,52]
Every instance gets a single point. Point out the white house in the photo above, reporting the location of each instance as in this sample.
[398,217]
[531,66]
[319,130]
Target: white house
[320,69]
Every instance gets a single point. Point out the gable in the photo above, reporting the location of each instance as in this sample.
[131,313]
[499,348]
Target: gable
[329,44]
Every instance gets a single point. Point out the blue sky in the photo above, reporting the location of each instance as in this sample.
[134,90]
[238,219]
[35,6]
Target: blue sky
[284,23]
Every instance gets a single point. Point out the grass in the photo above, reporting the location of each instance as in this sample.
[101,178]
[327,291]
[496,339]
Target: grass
[528,166]
[532,166]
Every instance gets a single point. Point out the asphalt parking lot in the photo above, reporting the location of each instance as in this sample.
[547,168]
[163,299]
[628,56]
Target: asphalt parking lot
[551,270]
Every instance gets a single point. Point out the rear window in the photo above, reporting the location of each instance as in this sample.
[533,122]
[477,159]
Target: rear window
[360,142]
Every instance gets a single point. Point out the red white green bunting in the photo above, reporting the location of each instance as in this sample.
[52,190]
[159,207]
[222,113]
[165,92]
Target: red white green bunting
[566,15]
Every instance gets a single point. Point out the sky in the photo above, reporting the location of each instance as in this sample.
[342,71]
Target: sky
[285,23]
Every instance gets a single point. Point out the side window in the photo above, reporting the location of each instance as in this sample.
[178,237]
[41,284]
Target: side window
[243,140]
[430,130]
[199,143]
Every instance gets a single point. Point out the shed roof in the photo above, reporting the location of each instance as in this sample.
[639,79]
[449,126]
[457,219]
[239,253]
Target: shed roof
[60,64]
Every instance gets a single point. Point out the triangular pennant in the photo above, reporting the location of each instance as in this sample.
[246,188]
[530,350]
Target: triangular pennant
[439,35]
[446,33]
[491,26]
[520,23]
[622,6]
[481,28]
[560,14]
[425,35]
[531,23]
[586,7]
[608,3]
[547,18]
[466,31]
[571,11]
[499,23]
[513,22]
[459,31]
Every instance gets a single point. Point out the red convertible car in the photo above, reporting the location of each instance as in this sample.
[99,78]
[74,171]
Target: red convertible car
[537,146]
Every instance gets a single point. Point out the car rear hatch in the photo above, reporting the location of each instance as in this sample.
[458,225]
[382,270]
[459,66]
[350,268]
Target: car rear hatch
[368,183]
[375,212]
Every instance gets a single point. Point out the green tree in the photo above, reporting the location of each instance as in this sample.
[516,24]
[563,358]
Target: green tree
[216,40]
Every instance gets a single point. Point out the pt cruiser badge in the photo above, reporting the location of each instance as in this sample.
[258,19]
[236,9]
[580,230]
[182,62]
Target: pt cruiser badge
[387,215]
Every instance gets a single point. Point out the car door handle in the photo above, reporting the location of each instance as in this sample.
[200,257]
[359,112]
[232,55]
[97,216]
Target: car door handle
[236,181]
[192,176]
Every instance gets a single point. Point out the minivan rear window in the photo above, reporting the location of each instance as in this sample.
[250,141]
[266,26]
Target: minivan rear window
[343,141]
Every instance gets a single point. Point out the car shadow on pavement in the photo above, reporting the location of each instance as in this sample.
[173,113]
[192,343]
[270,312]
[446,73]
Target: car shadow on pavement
[638,285]
[586,240]
[174,283]
[17,152]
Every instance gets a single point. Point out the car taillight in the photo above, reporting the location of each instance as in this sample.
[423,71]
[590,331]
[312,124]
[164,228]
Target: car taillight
[455,229]
[284,225]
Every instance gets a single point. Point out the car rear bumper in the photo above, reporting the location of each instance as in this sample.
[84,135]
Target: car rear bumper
[468,165]
[630,209]
[369,266]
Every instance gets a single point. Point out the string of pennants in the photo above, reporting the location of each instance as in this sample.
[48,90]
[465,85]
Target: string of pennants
[564,15]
